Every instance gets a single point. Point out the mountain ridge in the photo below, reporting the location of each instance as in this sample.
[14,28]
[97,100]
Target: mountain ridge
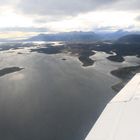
[132,38]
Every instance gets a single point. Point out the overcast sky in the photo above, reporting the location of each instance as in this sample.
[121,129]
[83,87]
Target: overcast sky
[69,15]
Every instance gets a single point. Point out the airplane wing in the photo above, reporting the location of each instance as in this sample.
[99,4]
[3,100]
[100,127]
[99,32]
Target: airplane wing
[120,119]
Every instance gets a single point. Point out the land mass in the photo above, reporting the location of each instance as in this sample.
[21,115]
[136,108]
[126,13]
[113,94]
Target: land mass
[124,74]
[133,38]
[9,70]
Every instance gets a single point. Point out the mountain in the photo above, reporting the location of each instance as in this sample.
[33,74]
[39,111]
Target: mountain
[133,38]
[67,36]
[4,40]
[113,35]
[81,36]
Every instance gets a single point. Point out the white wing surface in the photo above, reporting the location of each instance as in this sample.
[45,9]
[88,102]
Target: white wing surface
[120,119]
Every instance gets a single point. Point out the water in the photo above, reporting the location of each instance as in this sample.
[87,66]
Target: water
[50,99]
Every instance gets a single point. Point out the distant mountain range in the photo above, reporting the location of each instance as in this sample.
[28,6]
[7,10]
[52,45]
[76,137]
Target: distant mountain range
[114,35]
[67,36]
[134,38]
[120,35]
[81,36]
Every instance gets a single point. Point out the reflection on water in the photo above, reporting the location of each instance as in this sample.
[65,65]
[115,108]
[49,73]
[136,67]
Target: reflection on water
[51,99]
[18,76]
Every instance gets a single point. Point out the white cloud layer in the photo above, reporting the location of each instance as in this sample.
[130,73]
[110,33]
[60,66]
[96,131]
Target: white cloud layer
[72,7]
[69,15]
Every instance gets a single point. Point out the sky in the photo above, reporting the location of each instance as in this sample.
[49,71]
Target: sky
[19,18]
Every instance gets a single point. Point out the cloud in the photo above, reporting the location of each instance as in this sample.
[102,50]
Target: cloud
[74,7]
[127,5]
[67,15]
[62,7]
[8,2]
[4,2]
[24,29]
[138,18]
